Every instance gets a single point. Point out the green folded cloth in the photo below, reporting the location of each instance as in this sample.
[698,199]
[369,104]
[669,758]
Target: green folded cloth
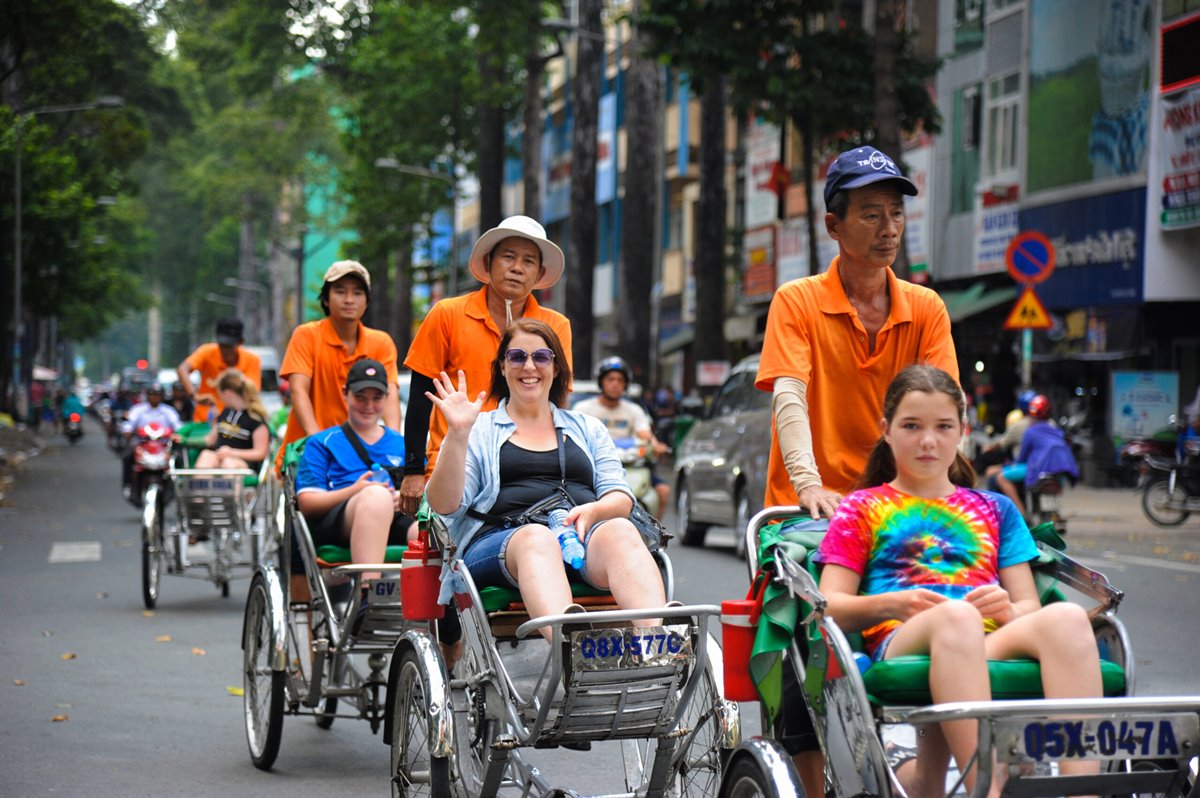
[781,611]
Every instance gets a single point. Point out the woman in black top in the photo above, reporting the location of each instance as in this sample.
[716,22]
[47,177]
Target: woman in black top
[501,462]
[240,438]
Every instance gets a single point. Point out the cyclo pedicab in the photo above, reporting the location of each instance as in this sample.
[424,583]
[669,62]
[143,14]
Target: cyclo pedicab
[658,690]
[231,509]
[1148,746]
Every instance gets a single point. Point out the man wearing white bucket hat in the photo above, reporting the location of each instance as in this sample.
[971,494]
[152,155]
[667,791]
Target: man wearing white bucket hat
[511,260]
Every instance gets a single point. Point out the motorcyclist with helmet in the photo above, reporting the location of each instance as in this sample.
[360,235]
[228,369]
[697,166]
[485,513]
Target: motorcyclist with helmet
[1006,448]
[624,418]
[153,410]
[1044,451]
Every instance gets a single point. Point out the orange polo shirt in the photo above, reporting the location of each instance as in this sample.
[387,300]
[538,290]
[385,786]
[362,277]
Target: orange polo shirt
[459,333]
[814,335]
[316,351]
[208,361]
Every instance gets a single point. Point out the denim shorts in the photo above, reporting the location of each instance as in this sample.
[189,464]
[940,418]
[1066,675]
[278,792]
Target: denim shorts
[484,557]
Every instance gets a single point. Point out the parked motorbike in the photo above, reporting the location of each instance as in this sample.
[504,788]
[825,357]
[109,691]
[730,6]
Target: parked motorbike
[73,427]
[1172,490]
[637,456]
[1134,455]
[151,459]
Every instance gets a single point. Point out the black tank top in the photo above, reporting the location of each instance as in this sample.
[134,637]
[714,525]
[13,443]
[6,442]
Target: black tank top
[527,477]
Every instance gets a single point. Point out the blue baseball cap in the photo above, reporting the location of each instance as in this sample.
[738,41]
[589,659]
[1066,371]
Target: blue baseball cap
[863,166]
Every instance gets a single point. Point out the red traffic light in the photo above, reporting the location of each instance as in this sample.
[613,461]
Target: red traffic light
[143,363]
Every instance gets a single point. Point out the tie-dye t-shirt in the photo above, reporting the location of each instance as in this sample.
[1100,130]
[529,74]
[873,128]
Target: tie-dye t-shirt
[899,542]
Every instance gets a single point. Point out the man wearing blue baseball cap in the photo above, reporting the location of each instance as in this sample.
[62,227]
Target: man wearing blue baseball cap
[833,343]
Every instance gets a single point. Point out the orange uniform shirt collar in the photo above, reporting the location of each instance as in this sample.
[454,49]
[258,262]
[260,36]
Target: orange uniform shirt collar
[833,299]
[477,308]
[329,335]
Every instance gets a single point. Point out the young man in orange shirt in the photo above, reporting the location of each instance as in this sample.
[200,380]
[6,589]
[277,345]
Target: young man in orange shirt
[511,260]
[833,343]
[320,354]
[213,358]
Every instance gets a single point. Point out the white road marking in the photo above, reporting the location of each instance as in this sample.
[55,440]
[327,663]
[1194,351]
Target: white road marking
[1114,560]
[78,551]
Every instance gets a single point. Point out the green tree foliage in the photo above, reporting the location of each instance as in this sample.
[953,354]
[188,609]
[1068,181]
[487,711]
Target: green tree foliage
[80,258]
[409,87]
[793,61]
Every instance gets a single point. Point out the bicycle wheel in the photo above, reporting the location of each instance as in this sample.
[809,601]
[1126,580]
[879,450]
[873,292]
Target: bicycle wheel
[263,687]
[416,773]
[1155,503]
[152,545]
[701,755]
[760,769]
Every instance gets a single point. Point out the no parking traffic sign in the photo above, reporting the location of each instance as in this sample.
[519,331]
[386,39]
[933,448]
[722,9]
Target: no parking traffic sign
[1030,257]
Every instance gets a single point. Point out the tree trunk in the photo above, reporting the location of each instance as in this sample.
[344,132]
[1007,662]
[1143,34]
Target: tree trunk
[710,236]
[531,138]
[382,312]
[643,90]
[887,115]
[403,317]
[585,100]
[246,297]
[815,206]
[491,121]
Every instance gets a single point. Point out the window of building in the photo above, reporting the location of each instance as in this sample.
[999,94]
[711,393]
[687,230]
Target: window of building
[971,108]
[1003,126]
[964,158]
[1001,6]
[968,25]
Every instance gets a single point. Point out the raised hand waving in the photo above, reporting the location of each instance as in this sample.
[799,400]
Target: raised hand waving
[457,407]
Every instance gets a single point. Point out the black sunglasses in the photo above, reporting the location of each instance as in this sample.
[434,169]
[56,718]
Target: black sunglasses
[541,357]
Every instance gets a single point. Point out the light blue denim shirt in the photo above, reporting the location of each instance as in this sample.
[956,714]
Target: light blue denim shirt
[482,483]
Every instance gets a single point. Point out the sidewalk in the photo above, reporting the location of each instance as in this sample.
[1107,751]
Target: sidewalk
[1110,522]
[16,446]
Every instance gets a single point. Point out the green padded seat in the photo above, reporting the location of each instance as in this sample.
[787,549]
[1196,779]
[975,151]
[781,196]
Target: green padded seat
[192,436]
[904,680]
[498,598]
[341,554]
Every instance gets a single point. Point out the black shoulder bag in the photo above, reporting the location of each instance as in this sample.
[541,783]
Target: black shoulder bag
[651,530]
[395,472]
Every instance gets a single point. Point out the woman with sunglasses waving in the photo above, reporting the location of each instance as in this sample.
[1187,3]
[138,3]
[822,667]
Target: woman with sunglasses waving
[494,466]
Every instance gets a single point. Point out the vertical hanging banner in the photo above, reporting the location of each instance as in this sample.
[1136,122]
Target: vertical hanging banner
[1181,161]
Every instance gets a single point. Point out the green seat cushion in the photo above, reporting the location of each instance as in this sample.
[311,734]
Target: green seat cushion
[341,554]
[905,680]
[498,598]
[193,433]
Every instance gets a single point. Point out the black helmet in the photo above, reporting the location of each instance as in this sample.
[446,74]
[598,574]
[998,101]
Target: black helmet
[613,363]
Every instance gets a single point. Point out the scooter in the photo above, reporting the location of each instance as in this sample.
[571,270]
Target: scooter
[1044,499]
[73,427]
[151,461]
[1172,490]
[637,456]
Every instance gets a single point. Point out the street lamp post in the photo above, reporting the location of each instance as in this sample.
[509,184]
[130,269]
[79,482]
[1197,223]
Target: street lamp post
[452,181]
[20,397]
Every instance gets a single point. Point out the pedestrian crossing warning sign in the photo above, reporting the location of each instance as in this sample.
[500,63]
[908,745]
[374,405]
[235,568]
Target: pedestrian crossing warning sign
[1028,314]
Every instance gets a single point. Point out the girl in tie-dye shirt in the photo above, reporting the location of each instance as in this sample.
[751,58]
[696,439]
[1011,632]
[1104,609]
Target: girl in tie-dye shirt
[921,563]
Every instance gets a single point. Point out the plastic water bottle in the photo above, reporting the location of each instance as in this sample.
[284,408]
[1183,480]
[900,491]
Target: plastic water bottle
[379,475]
[568,540]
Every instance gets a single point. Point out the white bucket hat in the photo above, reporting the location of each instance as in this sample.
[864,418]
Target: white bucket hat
[522,227]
